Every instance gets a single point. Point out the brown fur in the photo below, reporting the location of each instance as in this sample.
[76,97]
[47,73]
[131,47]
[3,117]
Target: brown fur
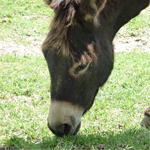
[84,31]
[70,13]
[146,120]
[147,112]
[91,8]
[66,15]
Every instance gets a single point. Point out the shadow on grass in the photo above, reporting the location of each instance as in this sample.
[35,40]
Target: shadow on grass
[126,139]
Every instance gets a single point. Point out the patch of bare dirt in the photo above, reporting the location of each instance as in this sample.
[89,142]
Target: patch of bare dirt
[12,47]
[131,43]
[124,42]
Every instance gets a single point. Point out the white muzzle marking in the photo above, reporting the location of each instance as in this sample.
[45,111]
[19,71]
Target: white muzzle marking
[61,112]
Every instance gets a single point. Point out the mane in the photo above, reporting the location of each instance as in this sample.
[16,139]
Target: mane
[64,14]
[67,15]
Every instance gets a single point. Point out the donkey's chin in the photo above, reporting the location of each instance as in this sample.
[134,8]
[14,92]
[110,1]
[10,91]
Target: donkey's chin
[77,129]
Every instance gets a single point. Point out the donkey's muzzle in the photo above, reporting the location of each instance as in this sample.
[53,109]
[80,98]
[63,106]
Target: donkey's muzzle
[64,118]
[63,129]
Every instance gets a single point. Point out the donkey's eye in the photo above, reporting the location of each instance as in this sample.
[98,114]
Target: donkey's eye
[80,68]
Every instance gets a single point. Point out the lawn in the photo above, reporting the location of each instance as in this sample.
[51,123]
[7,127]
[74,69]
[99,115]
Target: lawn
[114,120]
[20,20]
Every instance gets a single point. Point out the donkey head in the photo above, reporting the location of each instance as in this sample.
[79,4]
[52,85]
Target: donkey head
[80,60]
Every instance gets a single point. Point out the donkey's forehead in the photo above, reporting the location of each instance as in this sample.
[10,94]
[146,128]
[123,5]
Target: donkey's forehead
[67,34]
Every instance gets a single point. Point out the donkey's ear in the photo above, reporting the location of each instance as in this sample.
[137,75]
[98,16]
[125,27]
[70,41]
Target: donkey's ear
[91,8]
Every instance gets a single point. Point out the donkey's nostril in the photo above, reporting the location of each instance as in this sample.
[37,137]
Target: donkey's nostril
[67,129]
[63,129]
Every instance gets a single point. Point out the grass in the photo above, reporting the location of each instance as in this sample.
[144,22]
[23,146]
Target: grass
[28,21]
[18,79]
[21,19]
[112,122]
[138,26]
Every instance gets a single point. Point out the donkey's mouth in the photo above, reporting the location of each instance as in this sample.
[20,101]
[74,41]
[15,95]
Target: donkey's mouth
[54,132]
[66,131]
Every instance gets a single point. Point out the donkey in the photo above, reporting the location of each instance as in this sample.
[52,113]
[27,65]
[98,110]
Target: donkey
[80,55]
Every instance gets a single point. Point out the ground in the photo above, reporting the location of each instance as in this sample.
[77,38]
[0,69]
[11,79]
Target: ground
[12,47]
[128,43]
[125,41]
[27,92]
